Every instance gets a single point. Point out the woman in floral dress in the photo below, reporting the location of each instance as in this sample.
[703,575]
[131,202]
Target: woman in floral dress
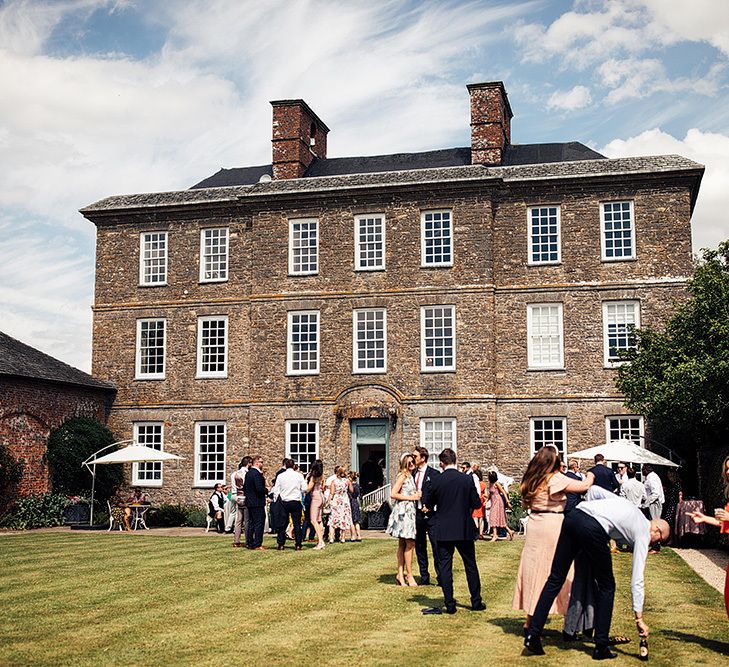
[497,513]
[341,509]
[402,519]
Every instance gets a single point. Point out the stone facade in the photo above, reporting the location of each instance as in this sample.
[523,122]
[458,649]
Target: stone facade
[30,409]
[492,394]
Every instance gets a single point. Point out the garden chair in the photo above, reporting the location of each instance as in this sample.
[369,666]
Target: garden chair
[523,525]
[208,519]
[112,519]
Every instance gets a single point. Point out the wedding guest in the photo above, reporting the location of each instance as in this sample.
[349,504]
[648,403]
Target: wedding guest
[341,510]
[587,530]
[478,513]
[401,523]
[119,510]
[237,482]
[424,521]
[621,476]
[604,476]
[316,490]
[543,490]
[454,498]
[654,497]
[216,505]
[255,491]
[574,467]
[289,487]
[354,496]
[721,520]
[499,503]
[631,489]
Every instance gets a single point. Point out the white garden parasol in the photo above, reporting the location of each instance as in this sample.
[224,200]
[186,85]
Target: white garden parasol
[623,450]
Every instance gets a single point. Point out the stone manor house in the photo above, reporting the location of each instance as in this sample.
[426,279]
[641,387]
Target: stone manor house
[335,308]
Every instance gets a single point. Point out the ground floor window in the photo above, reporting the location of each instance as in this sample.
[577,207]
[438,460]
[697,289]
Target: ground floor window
[625,428]
[435,435]
[148,434]
[549,431]
[210,441]
[302,443]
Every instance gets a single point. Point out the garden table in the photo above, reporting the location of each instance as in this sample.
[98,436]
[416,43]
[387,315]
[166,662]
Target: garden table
[138,512]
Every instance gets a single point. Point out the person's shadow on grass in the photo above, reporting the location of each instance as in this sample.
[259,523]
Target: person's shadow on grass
[514,626]
[721,648]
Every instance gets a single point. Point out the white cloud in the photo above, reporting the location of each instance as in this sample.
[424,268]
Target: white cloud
[710,224]
[569,100]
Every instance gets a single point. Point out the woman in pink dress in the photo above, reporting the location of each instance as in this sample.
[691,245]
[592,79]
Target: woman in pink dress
[543,491]
[497,513]
[341,508]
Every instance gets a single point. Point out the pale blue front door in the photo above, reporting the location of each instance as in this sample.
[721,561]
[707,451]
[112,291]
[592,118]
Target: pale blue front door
[370,437]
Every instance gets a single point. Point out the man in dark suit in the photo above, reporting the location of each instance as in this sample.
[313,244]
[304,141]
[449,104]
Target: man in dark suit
[454,494]
[424,475]
[255,492]
[604,476]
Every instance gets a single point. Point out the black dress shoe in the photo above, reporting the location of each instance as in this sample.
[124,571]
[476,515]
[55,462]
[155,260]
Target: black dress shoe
[425,581]
[603,653]
[280,547]
[432,611]
[567,637]
[450,610]
[533,644]
[479,606]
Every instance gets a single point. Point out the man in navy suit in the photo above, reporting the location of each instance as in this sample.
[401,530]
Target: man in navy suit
[424,475]
[454,494]
[254,487]
[604,476]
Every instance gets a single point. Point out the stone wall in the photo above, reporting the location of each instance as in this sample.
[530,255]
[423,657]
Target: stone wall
[30,409]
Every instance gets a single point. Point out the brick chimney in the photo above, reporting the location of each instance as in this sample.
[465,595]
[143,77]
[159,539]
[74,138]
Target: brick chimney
[490,122]
[299,136]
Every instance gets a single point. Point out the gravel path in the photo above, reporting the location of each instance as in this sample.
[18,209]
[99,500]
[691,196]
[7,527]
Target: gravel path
[710,564]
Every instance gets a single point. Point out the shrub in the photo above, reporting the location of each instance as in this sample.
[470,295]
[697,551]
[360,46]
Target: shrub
[166,516]
[517,511]
[71,444]
[38,511]
[11,472]
[196,518]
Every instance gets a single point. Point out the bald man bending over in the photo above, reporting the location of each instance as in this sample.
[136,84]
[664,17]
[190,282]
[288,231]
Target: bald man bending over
[589,528]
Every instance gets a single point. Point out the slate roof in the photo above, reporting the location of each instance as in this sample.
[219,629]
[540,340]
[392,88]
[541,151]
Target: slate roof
[20,360]
[449,157]
[593,168]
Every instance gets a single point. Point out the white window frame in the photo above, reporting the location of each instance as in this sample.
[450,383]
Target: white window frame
[532,443]
[292,268]
[289,343]
[200,322]
[424,368]
[614,363]
[530,260]
[223,273]
[355,341]
[603,232]
[641,427]
[210,483]
[559,365]
[136,481]
[357,245]
[433,456]
[289,422]
[142,282]
[138,375]
[424,263]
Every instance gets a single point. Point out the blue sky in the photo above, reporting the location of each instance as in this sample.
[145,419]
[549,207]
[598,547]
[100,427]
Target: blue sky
[103,97]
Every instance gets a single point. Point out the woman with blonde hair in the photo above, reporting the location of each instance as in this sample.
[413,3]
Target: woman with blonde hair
[544,492]
[402,519]
[315,488]
[341,509]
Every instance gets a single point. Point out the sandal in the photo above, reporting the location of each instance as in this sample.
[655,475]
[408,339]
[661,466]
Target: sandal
[616,640]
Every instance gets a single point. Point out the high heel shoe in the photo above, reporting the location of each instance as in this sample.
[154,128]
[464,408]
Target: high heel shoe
[412,583]
[399,581]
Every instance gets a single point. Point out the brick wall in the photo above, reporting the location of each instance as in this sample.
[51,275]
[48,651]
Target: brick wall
[30,409]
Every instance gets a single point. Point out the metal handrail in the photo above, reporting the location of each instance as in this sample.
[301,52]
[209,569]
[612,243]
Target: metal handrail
[376,497]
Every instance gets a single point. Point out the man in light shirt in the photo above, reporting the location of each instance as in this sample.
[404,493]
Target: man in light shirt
[587,529]
[631,489]
[654,497]
[237,480]
[290,486]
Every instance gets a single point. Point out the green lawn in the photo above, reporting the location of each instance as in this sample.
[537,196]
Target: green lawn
[103,599]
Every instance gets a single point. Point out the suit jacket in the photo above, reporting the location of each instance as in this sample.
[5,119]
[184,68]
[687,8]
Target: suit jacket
[255,488]
[430,474]
[455,496]
[573,499]
[604,477]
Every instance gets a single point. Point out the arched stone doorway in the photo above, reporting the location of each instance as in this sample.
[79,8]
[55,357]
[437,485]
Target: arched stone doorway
[369,414]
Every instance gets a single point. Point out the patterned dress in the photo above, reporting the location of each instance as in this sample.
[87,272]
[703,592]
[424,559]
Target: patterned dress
[354,502]
[341,509]
[402,518]
[497,513]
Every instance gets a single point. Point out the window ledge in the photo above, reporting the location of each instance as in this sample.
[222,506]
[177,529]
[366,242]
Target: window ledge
[203,281]
[370,371]
[145,285]
[437,370]
[611,260]
[144,378]
[558,369]
[211,377]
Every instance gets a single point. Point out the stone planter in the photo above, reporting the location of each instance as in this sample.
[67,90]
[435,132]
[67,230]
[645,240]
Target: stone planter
[376,520]
[77,513]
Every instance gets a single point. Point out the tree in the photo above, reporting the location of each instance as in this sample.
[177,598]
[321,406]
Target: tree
[679,377]
[71,444]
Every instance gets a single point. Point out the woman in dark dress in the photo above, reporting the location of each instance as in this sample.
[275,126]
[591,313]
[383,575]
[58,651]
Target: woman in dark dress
[354,495]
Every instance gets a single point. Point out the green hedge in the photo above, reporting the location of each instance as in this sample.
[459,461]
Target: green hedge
[168,516]
[39,511]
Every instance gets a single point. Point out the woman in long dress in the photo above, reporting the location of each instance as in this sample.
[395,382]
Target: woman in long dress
[497,513]
[341,509]
[543,491]
[721,520]
[402,519]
